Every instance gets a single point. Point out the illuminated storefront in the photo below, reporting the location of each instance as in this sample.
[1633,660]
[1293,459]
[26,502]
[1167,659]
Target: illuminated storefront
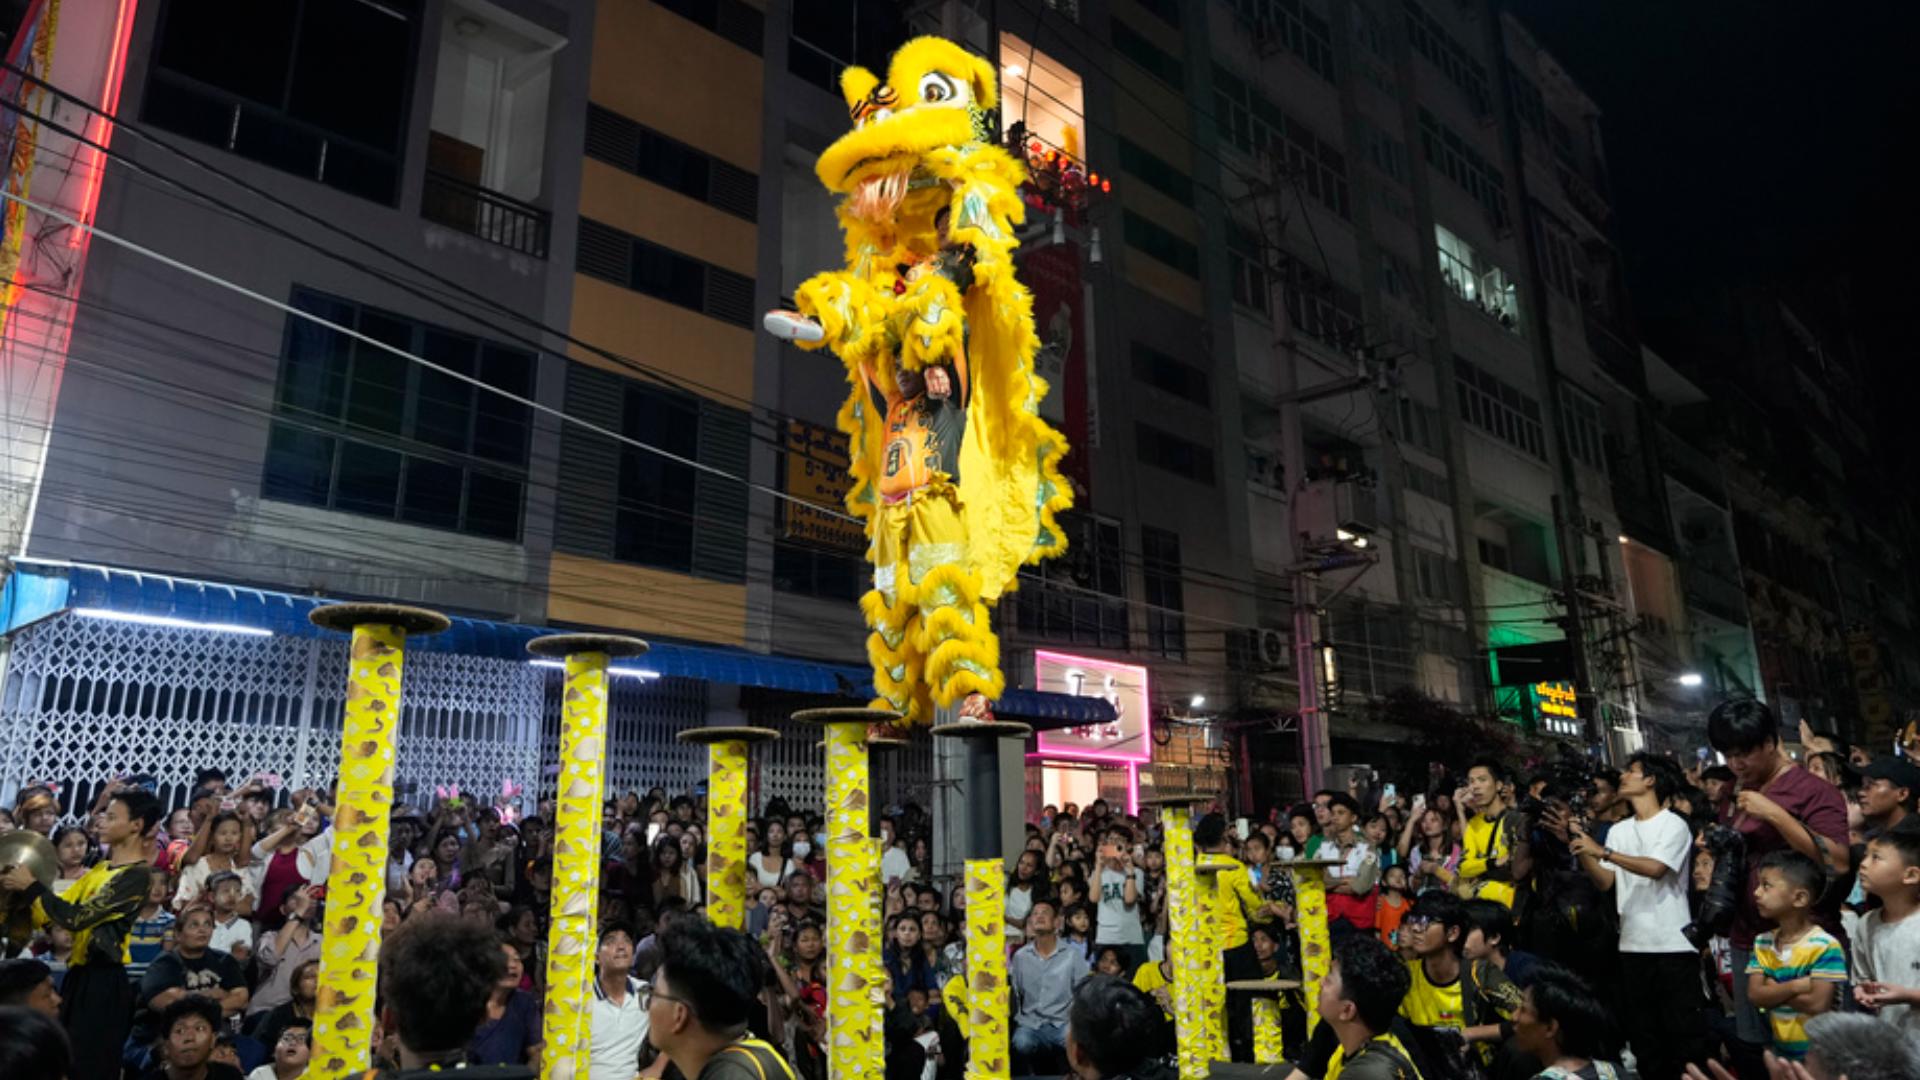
[1080,764]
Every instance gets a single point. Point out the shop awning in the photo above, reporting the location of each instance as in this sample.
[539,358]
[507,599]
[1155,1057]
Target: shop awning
[39,589]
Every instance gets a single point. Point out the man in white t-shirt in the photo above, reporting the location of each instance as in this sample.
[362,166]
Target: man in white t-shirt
[618,1030]
[1122,887]
[1645,862]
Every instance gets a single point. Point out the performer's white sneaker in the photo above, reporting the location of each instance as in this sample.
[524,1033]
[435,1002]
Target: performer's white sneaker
[792,326]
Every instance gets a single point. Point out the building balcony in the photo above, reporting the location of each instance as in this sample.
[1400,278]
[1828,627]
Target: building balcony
[489,215]
[1584,196]
[1699,473]
[1714,593]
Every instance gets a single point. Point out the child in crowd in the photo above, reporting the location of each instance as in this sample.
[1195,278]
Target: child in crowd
[1886,951]
[1393,905]
[232,934]
[1796,966]
[1079,931]
[151,925]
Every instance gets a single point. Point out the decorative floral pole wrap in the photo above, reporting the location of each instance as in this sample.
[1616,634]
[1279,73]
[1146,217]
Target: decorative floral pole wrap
[987,1022]
[1310,912]
[727,818]
[1212,988]
[576,844]
[1192,937]
[986,891]
[854,1000]
[357,879]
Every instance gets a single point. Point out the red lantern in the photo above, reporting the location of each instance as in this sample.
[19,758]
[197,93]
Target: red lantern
[1106,185]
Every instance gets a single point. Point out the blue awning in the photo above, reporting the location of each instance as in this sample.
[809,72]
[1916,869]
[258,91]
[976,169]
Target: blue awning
[38,590]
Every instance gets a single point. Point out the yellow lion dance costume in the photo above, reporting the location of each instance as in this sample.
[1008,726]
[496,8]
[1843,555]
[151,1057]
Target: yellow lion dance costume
[954,473]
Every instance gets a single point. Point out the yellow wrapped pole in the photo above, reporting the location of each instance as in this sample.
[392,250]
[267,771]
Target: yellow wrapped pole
[855,1003]
[989,1028]
[1310,914]
[1213,981]
[357,879]
[1267,1037]
[1191,939]
[727,813]
[988,1025]
[571,943]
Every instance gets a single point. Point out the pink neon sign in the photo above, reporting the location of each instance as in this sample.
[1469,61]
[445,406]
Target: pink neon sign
[1128,738]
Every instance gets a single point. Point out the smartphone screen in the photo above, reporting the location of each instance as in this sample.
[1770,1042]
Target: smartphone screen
[1240,826]
[1390,791]
[653,832]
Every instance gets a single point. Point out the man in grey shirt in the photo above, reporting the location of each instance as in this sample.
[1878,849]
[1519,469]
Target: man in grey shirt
[1043,974]
[1121,887]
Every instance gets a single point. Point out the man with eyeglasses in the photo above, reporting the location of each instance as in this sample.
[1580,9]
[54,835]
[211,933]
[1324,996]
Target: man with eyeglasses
[291,1052]
[697,1008]
[619,1028]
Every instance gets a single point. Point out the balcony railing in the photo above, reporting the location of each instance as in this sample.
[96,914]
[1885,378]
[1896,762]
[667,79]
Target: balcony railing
[489,215]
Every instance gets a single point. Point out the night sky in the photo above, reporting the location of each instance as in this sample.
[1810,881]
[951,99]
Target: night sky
[1761,142]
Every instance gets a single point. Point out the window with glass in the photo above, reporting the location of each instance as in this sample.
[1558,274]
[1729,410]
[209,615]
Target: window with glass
[1322,308]
[265,81]
[1477,279]
[1499,409]
[1172,375]
[655,509]
[1434,579]
[1175,453]
[1257,126]
[1149,236]
[1292,24]
[1166,600]
[1451,153]
[1147,56]
[1045,95]
[1430,39]
[1420,426]
[362,430]
[1247,268]
[1424,481]
[1081,597]
[1586,428]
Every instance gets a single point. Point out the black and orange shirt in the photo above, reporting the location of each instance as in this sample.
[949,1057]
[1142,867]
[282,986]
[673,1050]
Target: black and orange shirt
[923,435]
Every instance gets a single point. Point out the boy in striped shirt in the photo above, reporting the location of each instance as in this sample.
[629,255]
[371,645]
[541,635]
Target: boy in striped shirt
[1797,967]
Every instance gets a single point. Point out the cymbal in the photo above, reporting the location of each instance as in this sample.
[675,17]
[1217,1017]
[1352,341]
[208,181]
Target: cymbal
[24,847]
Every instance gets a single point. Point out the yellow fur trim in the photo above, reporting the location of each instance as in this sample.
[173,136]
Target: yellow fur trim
[924,54]
[1011,489]
[856,83]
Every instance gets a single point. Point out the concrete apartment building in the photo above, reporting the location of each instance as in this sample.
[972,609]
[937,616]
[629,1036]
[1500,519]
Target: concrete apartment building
[1349,276]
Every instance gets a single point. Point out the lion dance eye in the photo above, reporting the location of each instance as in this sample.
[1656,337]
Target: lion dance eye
[937,89]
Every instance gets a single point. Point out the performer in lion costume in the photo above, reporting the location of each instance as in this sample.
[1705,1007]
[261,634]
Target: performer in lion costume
[954,473]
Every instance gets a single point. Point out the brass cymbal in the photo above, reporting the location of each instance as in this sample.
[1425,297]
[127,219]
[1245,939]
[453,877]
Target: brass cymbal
[24,847]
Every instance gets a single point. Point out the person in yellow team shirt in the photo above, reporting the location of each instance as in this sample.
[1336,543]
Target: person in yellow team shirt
[1488,834]
[97,997]
[1472,997]
[1235,905]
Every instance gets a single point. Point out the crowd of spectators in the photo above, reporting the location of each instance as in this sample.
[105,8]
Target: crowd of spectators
[1557,920]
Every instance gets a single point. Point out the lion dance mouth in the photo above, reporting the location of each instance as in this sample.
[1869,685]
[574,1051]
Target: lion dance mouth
[877,199]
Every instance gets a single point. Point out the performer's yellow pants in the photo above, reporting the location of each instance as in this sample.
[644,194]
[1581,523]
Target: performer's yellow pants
[932,642]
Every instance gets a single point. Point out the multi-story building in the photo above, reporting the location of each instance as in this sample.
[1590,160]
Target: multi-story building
[1342,316]
[1818,524]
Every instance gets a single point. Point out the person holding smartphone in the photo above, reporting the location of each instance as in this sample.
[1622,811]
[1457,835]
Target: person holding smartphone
[1122,887]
